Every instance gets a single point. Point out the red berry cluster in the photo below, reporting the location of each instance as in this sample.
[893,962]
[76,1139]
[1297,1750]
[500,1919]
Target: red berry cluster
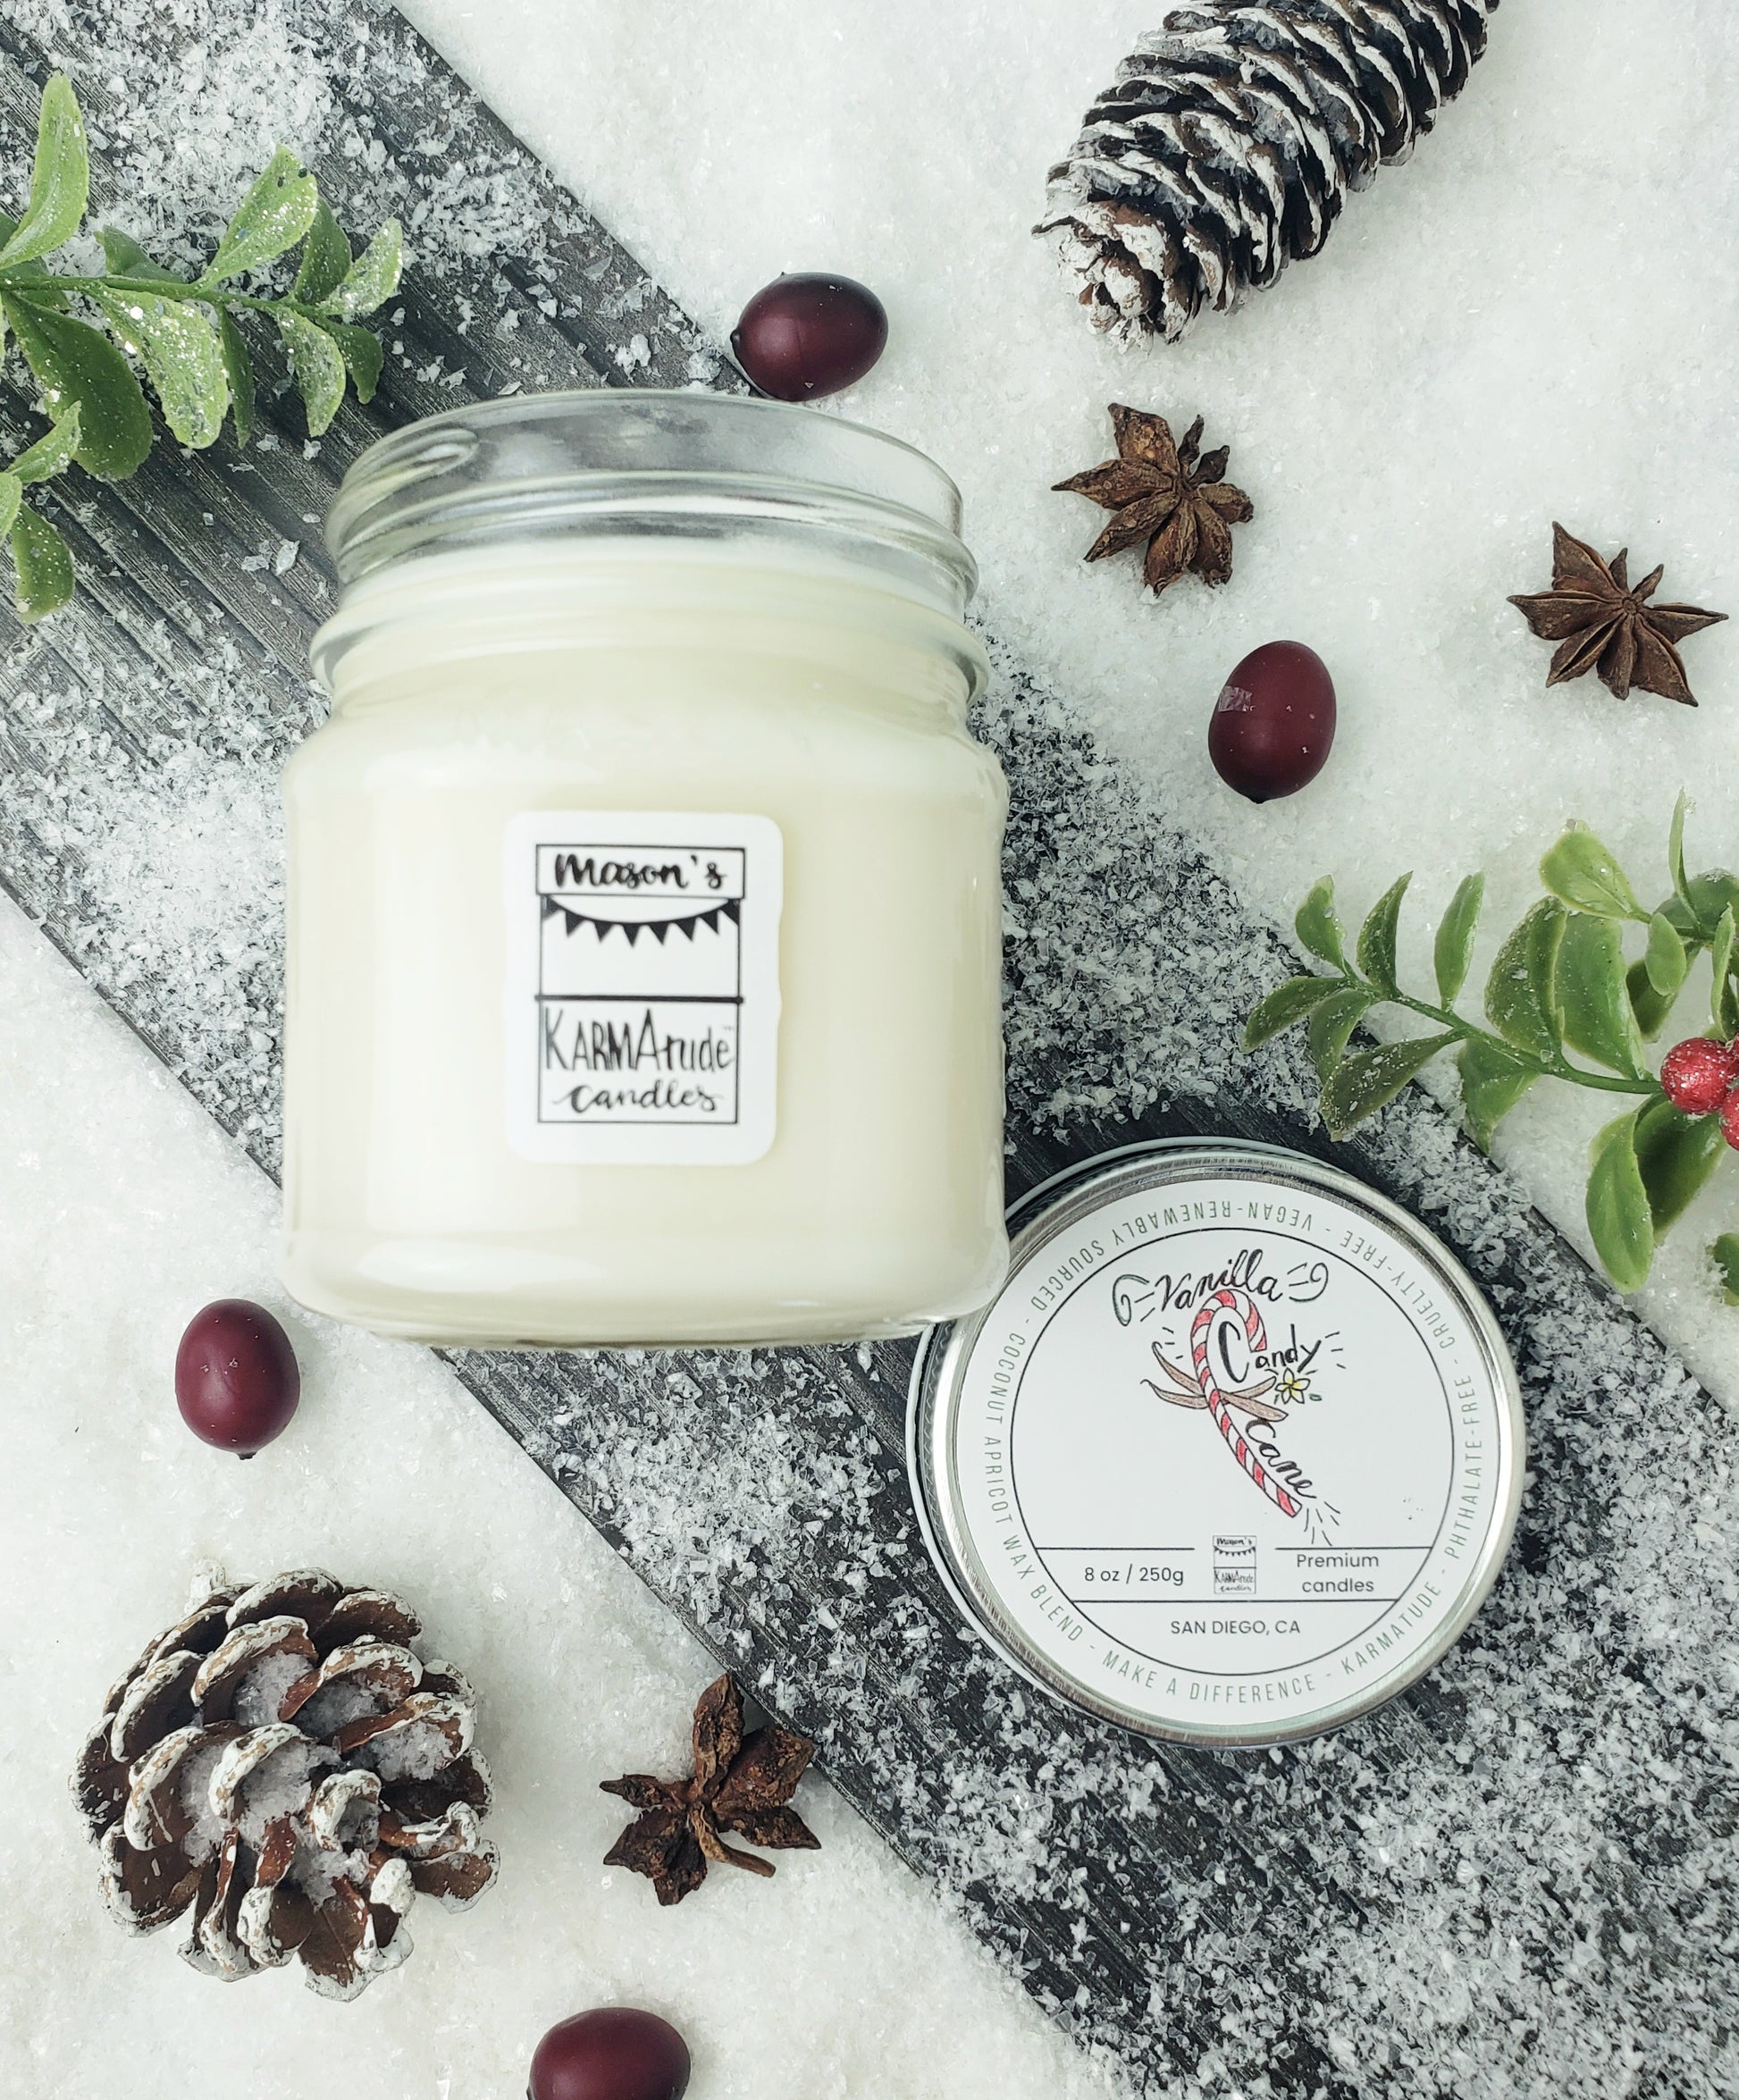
[1702,1078]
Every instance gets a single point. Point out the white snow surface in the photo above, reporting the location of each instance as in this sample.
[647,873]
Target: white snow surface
[1533,319]
[1530,321]
[122,1211]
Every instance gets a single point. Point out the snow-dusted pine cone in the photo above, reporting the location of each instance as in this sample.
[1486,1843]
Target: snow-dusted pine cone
[285,1764]
[1227,145]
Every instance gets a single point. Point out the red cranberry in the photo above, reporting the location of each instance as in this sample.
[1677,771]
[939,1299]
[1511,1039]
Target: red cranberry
[614,2053]
[1730,1120]
[810,335]
[1698,1075]
[1273,722]
[236,1380]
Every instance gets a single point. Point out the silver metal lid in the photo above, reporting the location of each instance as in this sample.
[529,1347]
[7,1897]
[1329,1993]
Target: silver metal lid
[1233,1456]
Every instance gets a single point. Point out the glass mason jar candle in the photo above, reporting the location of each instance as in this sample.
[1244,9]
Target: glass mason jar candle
[645,900]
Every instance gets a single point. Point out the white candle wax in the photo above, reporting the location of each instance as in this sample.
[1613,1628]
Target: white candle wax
[644,942]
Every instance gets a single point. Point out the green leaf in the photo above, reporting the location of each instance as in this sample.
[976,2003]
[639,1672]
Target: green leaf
[1683,920]
[50,455]
[1332,1024]
[44,562]
[1723,1006]
[274,217]
[1646,1004]
[239,370]
[318,366]
[1650,1005]
[1492,1082]
[1579,870]
[76,363]
[1724,1254]
[60,181]
[1377,938]
[325,260]
[12,494]
[1318,927]
[1370,1079]
[126,258]
[1676,1154]
[1675,848]
[1285,1006]
[1593,1001]
[1519,993]
[1710,894]
[362,352]
[1455,938]
[372,278]
[182,355]
[31,274]
[1666,962]
[1619,1220]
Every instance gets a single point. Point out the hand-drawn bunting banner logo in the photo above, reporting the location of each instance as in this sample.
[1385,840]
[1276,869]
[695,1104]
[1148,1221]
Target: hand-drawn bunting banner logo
[661,1050]
[661,929]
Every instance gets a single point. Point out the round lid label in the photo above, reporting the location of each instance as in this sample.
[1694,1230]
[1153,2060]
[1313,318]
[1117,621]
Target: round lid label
[1230,1456]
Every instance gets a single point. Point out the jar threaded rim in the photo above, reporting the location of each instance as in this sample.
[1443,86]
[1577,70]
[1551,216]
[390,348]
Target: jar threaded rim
[617,463]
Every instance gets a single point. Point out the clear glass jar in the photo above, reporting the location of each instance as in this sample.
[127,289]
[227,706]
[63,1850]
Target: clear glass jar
[644,901]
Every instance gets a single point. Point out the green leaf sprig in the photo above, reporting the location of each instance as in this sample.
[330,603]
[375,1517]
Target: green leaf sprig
[1563,1001]
[83,335]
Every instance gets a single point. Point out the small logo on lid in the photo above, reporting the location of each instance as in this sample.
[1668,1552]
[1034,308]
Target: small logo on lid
[1234,1565]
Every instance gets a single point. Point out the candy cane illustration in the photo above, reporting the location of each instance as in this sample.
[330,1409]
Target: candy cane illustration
[1242,1306]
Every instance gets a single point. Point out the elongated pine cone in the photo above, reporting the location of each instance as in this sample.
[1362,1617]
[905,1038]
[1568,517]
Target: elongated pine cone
[1227,145]
[282,1763]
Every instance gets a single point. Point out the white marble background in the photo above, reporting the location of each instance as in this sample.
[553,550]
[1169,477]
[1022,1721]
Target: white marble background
[1534,319]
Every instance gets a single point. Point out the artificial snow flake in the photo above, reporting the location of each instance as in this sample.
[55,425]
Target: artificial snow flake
[1603,622]
[1172,495]
[741,1785]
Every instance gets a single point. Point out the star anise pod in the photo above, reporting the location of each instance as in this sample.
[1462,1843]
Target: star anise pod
[1601,622]
[1174,496]
[740,1784]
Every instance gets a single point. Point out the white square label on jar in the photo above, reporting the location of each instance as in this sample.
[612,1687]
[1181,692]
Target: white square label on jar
[642,986]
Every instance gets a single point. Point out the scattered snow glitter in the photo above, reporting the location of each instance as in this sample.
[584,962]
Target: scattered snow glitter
[1408,415]
[1579,1758]
[261,1692]
[410,1753]
[335,1706]
[208,1829]
[281,1786]
[104,1248]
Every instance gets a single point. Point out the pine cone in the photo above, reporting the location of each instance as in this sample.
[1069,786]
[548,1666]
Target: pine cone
[1226,147]
[283,1763]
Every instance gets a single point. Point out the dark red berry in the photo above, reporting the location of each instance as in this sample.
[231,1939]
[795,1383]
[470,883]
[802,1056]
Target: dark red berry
[614,2053]
[1273,723]
[1730,1120]
[236,1380]
[810,335]
[1696,1076]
